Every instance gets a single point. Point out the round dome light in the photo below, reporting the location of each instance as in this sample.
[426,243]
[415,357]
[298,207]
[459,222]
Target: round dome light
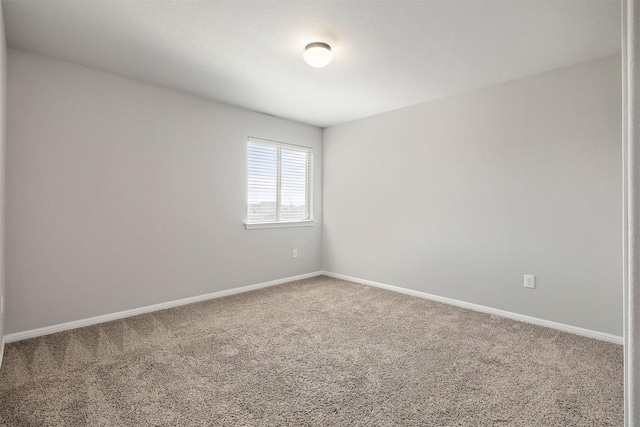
[317,54]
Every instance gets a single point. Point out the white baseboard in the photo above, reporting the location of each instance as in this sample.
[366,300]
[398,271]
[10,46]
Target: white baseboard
[1,350]
[19,336]
[615,339]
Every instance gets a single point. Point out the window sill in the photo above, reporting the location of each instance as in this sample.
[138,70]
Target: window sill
[278,224]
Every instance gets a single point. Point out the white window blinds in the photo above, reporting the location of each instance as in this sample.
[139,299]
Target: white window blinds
[279,182]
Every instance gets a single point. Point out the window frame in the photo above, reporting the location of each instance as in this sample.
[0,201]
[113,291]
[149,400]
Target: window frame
[309,187]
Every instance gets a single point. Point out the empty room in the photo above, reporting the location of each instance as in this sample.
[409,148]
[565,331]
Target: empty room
[319,213]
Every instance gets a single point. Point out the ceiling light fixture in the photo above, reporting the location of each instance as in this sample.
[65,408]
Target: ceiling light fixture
[317,54]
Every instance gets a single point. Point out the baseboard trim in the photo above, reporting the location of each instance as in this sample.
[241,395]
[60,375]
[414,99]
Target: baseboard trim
[33,333]
[615,339]
[47,330]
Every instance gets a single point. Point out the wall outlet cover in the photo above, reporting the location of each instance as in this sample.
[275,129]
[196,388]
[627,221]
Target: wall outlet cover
[529,281]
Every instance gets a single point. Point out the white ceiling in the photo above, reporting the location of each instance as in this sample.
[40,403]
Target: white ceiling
[387,54]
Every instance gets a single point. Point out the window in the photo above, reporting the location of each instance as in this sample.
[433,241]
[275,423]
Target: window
[279,178]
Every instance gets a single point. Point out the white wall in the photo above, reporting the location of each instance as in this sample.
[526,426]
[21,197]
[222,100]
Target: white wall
[3,116]
[121,194]
[461,196]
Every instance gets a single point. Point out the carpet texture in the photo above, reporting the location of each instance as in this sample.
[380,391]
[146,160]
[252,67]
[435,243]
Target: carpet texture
[321,352]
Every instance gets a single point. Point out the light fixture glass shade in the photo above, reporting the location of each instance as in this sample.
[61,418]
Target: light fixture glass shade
[317,54]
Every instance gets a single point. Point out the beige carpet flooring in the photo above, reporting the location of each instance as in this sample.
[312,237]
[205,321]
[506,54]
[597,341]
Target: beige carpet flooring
[319,352]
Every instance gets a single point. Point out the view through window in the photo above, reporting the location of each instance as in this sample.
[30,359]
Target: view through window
[279,182]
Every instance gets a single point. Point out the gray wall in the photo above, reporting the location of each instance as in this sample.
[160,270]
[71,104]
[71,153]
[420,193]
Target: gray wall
[632,333]
[3,117]
[461,196]
[121,194]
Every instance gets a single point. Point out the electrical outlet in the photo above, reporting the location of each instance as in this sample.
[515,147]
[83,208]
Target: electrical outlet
[294,254]
[1,304]
[529,281]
